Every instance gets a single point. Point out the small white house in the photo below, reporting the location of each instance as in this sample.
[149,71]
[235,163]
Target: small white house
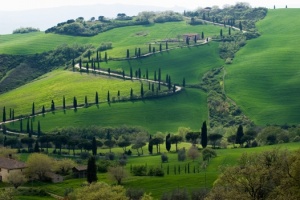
[8,165]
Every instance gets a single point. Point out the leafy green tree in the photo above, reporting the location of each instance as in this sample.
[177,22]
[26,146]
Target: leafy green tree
[204,135]
[175,139]
[16,178]
[117,173]
[192,137]
[193,153]
[157,141]
[213,138]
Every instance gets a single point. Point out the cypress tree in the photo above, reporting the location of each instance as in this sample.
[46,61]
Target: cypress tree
[96,98]
[73,63]
[135,52]
[97,56]
[105,56]
[240,26]
[149,86]
[36,147]
[119,94]
[108,97]
[92,170]
[169,83]
[147,74]
[127,54]
[4,115]
[160,47]
[85,101]
[21,125]
[204,135]
[64,102]
[87,67]
[139,52]
[39,129]
[168,143]
[33,110]
[31,128]
[195,39]
[142,90]
[94,146]
[74,102]
[131,93]
[155,76]
[140,73]
[149,48]
[239,135]
[167,47]
[183,82]
[150,145]
[43,109]
[80,63]
[52,105]
[13,114]
[153,49]
[123,74]
[152,87]
[187,40]
[202,35]
[221,33]
[28,127]
[10,116]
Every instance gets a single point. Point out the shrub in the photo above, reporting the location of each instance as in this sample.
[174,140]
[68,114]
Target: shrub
[104,165]
[134,194]
[139,170]
[110,156]
[156,172]
[254,144]
[199,194]
[208,153]
[182,155]
[177,194]
[164,157]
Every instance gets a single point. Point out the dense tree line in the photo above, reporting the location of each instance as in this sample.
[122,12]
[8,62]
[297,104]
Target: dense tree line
[26,30]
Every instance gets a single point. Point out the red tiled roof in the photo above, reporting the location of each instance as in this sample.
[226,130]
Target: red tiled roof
[8,163]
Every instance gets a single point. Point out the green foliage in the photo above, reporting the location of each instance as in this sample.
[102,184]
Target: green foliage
[26,30]
[139,170]
[92,170]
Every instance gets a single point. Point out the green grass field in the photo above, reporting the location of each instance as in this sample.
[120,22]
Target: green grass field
[265,77]
[59,83]
[122,38]
[163,114]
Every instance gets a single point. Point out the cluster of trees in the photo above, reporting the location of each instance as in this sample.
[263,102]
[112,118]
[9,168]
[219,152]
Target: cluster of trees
[240,15]
[26,30]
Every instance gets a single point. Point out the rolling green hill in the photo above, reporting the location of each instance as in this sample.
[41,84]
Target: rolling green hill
[122,38]
[265,77]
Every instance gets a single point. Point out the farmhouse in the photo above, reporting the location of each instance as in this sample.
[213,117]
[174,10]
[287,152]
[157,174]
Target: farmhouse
[8,165]
[80,171]
[191,36]
[55,178]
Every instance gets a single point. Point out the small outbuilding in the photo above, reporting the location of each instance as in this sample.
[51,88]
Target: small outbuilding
[80,171]
[7,165]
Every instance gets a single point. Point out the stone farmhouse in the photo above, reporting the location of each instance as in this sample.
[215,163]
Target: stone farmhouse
[8,165]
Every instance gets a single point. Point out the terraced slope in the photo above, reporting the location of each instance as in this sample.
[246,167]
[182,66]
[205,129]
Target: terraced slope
[265,77]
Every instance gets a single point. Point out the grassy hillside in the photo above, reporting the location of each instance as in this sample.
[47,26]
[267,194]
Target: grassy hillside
[265,77]
[59,83]
[186,109]
[122,38]
[189,63]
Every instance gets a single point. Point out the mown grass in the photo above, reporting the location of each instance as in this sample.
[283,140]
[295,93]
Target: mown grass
[186,109]
[59,83]
[190,63]
[265,76]
[122,38]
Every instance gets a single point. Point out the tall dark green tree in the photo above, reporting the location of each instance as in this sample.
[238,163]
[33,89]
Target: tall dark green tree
[183,82]
[160,47]
[33,110]
[64,102]
[153,50]
[240,26]
[96,98]
[31,128]
[142,90]
[92,170]
[195,39]
[43,109]
[147,74]
[139,52]
[85,101]
[155,79]
[21,125]
[187,40]
[52,106]
[131,93]
[221,33]
[74,102]
[10,114]
[204,135]
[97,56]
[13,114]
[168,142]
[4,115]
[202,35]
[28,127]
[167,46]
[39,129]
[239,135]
[108,96]
[36,147]
[169,83]
[127,53]
[94,146]
[105,57]
[150,145]
[87,67]
[80,63]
